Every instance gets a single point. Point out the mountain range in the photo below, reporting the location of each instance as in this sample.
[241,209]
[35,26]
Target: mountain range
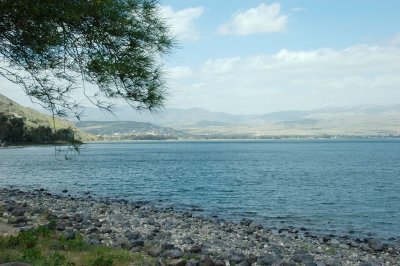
[364,121]
[356,121]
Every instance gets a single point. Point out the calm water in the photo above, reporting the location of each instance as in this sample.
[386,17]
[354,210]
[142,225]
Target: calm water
[321,185]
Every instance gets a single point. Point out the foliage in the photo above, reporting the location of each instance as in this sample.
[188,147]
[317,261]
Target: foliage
[34,119]
[14,131]
[52,48]
[45,246]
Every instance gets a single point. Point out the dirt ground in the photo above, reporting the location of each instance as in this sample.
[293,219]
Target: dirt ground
[6,229]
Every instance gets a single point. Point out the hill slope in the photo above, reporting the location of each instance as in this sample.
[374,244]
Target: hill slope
[128,128]
[35,119]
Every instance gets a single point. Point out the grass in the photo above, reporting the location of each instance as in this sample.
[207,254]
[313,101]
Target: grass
[45,246]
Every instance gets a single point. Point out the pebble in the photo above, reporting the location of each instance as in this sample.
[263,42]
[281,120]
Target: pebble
[208,241]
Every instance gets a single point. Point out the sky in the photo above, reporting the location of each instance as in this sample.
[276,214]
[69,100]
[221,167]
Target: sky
[254,57]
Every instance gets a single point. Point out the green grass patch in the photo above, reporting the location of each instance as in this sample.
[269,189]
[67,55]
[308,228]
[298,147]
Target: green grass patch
[45,246]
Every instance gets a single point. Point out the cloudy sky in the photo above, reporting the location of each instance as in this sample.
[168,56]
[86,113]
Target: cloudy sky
[252,56]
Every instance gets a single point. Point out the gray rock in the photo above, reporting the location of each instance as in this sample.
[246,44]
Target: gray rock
[192,262]
[19,212]
[236,259]
[243,263]
[78,217]
[176,254]
[195,249]
[375,244]
[303,258]
[370,263]
[177,262]
[69,234]
[288,263]
[94,241]
[245,222]
[334,242]
[206,261]
[268,260]
[167,246]
[255,226]
[60,227]
[137,243]
[106,231]
[19,220]
[154,251]
[132,235]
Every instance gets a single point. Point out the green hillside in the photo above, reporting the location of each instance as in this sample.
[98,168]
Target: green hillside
[33,119]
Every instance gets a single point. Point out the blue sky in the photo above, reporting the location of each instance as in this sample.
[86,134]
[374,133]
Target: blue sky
[255,56]
[263,56]
[310,25]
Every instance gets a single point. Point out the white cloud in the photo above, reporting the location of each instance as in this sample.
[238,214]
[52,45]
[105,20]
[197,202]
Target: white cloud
[395,40]
[179,72]
[182,21]
[261,19]
[293,80]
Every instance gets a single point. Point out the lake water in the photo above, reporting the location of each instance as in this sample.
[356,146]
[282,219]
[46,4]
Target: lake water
[322,185]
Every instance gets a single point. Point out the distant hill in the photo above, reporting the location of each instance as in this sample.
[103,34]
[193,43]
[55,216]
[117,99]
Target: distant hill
[361,121]
[165,117]
[35,119]
[128,129]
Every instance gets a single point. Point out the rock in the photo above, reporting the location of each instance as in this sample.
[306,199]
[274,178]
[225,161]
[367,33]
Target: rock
[206,261]
[60,227]
[137,243]
[97,223]
[94,241]
[375,244]
[245,222]
[175,254]
[243,263]
[235,259]
[367,264]
[219,263]
[69,234]
[325,239]
[268,260]
[154,251]
[78,217]
[255,226]
[167,246]
[334,263]
[250,231]
[192,262]
[195,249]
[18,212]
[178,262]
[303,258]
[334,242]
[132,235]
[19,220]
[288,263]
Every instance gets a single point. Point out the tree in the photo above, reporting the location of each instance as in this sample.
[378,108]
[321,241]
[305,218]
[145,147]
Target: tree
[52,48]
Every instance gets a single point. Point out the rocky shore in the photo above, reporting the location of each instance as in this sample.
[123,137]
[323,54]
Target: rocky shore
[179,238]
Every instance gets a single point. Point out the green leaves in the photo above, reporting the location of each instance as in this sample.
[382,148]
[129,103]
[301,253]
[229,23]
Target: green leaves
[52,48]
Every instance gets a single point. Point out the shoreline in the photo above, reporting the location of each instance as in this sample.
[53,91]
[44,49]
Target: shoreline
[168,234]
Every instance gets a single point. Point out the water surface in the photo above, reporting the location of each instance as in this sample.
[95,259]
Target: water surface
[323,185]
